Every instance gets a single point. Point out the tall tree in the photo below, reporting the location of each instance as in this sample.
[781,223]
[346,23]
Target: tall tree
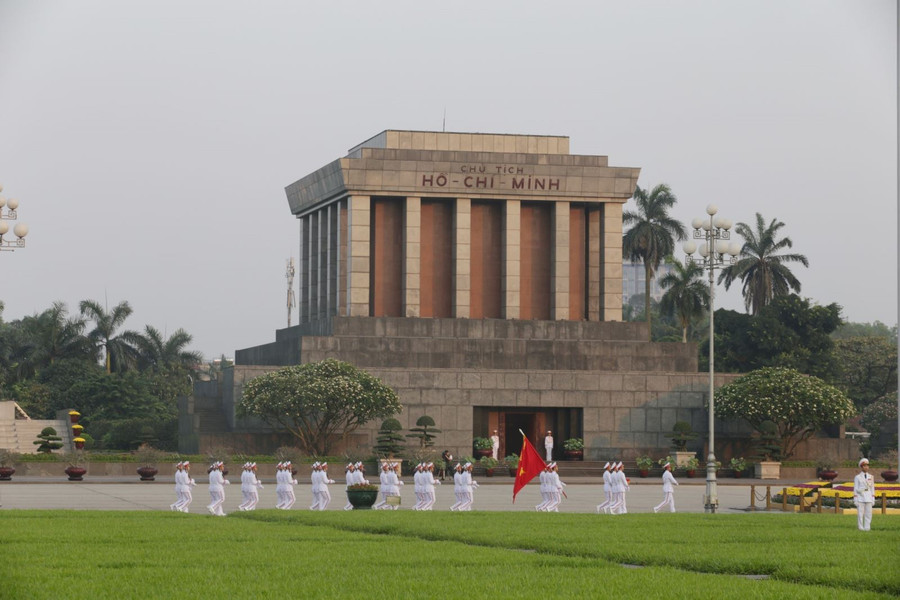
[55,335]
[119,350]
[687,296]
[158,353]
[653,233]
[761,268]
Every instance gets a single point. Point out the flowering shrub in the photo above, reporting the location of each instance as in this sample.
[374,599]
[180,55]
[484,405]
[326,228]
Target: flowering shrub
[318,401]
[798,404]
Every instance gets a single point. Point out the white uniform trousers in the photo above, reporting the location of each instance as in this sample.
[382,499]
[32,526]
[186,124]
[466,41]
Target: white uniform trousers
[864,515]
[604,506]
[668,500]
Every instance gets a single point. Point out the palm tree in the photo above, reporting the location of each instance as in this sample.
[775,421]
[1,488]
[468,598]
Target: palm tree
[54,335]
[653,235]
[119,350]
[163,354]
[686,294]
[760,267]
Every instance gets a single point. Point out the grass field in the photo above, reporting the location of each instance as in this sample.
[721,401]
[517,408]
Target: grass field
[403,554]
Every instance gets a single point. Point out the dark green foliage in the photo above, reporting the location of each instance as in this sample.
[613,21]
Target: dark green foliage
[768,442]
[682,433]
[424,431]
[867,368]
[47,441]
[790,332]
[389,442]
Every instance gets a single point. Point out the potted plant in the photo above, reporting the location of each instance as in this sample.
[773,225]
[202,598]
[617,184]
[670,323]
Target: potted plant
[737,464]
[76,465]
[691,466]
[362,495]
[768,447]
[388,441]
[512,462]
[890,458]
[483,446]
[147,457]
[48,441]
[825,467]
[74,415]
[574,448]
[79,443]
[644,464]
[489,463]
[7,458]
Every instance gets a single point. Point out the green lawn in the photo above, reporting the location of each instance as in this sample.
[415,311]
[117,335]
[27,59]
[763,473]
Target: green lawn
[403,554]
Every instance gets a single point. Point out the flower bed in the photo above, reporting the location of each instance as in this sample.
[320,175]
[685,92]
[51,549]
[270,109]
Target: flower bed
[842,493]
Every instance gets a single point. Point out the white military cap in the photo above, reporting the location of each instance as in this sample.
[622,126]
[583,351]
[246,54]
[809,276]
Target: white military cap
[667,465]
[606,466]
[863,461]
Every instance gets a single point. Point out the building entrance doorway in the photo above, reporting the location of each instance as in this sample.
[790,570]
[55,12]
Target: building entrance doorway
[565,423]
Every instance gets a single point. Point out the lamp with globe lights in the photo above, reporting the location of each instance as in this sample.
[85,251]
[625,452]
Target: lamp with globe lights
[715,253]
[20,230]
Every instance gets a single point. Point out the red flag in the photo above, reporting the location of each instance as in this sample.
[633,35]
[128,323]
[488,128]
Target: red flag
[530,464]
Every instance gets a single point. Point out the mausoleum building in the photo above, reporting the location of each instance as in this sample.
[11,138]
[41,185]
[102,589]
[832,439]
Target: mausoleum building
[480,275]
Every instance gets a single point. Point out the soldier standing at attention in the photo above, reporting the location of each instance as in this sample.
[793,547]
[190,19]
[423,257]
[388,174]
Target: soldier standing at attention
[864,495]
[548,445]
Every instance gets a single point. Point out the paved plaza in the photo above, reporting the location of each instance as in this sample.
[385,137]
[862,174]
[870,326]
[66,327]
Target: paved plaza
[116,493]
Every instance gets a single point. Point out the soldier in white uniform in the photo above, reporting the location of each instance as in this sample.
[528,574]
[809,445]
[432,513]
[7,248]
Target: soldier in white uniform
[469,487]
[620,486]
[419,486]
[350,478]
[543,478]
[864,495]
[548,445]
[217,482]
[245,487]
[187,483]
[255,486]
[289,476]
[179,485]
[458,487]
[495,445]
[668,490]
[429,484]
[316,488]
[383,486]
[607,490]
[394,484]
[555,488]
[324,481]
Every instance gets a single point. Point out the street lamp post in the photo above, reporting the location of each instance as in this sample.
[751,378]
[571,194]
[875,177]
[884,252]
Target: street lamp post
[715,252]
[20,230]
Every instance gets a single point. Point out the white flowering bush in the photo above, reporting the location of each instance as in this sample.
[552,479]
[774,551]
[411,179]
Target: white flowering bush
[798,404]
[318,401]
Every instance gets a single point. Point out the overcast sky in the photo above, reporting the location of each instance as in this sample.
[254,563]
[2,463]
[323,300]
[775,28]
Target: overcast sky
[149,143]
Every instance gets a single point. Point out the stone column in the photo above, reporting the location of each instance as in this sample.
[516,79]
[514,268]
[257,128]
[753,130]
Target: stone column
[512,257]
[412,254]
[612,262]
[358,242]
[462,249]
[594,266]
[559,306]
